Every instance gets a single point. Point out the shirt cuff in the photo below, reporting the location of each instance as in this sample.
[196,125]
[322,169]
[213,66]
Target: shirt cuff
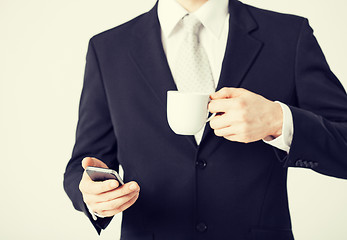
[94,214]
[284,141]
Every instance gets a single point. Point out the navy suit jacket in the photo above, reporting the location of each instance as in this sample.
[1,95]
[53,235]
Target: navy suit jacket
[219,189]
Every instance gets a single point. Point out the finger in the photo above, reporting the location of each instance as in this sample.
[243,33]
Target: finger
[220,105]
[90,198]
[235,129]
[221,121]
[90,161]
[227,93]
[115,203]
[238,138]
[91,187]
[114,193]
[232,138]
[124,190]
[120,208]
[224,131]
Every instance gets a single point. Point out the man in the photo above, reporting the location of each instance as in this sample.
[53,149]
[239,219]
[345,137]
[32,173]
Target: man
[229,180]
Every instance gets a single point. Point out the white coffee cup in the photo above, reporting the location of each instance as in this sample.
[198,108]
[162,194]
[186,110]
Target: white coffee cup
[187,112]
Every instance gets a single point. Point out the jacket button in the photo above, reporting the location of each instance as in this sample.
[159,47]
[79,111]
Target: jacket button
[201,227]
[201,164]
[299,163]
[313,164]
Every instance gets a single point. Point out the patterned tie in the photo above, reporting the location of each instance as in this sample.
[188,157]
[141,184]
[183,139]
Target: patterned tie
[193,68]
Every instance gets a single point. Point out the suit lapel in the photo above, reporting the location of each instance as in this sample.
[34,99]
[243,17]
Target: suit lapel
[242,48]
[149,57]
[241,51]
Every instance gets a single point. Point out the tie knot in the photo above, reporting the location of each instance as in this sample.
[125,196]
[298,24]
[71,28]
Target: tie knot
[191,24]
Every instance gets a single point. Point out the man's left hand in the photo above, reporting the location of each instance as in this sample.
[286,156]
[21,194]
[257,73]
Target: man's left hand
[244,116]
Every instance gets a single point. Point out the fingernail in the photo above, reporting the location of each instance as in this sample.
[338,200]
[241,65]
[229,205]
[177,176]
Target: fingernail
[133,187]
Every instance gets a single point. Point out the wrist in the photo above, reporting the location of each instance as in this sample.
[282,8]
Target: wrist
[276,121]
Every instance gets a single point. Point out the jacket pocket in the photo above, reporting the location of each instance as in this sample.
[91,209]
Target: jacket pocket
[271,234]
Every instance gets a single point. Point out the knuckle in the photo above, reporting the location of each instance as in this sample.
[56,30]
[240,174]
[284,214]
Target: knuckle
[225,89]
[242,103]
[244,117]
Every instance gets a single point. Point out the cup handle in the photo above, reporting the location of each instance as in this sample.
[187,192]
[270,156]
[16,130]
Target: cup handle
[209,119]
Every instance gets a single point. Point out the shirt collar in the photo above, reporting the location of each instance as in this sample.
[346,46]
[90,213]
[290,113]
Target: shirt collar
[212,15]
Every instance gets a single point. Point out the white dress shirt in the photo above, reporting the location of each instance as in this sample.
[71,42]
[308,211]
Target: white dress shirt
[214,16]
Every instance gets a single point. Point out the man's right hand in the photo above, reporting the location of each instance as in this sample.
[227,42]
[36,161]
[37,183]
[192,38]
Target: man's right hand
[106,198]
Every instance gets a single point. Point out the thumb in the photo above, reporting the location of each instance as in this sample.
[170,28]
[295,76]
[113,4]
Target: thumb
[227,92]
[94,162]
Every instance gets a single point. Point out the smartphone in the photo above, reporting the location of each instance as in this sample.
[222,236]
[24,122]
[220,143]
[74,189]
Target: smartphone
[102,174]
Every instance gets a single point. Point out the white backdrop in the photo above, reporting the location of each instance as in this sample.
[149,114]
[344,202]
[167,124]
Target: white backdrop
[43,45]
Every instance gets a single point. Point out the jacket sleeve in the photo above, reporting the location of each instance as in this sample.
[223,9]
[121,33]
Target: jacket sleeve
[320,114]
[94,136]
